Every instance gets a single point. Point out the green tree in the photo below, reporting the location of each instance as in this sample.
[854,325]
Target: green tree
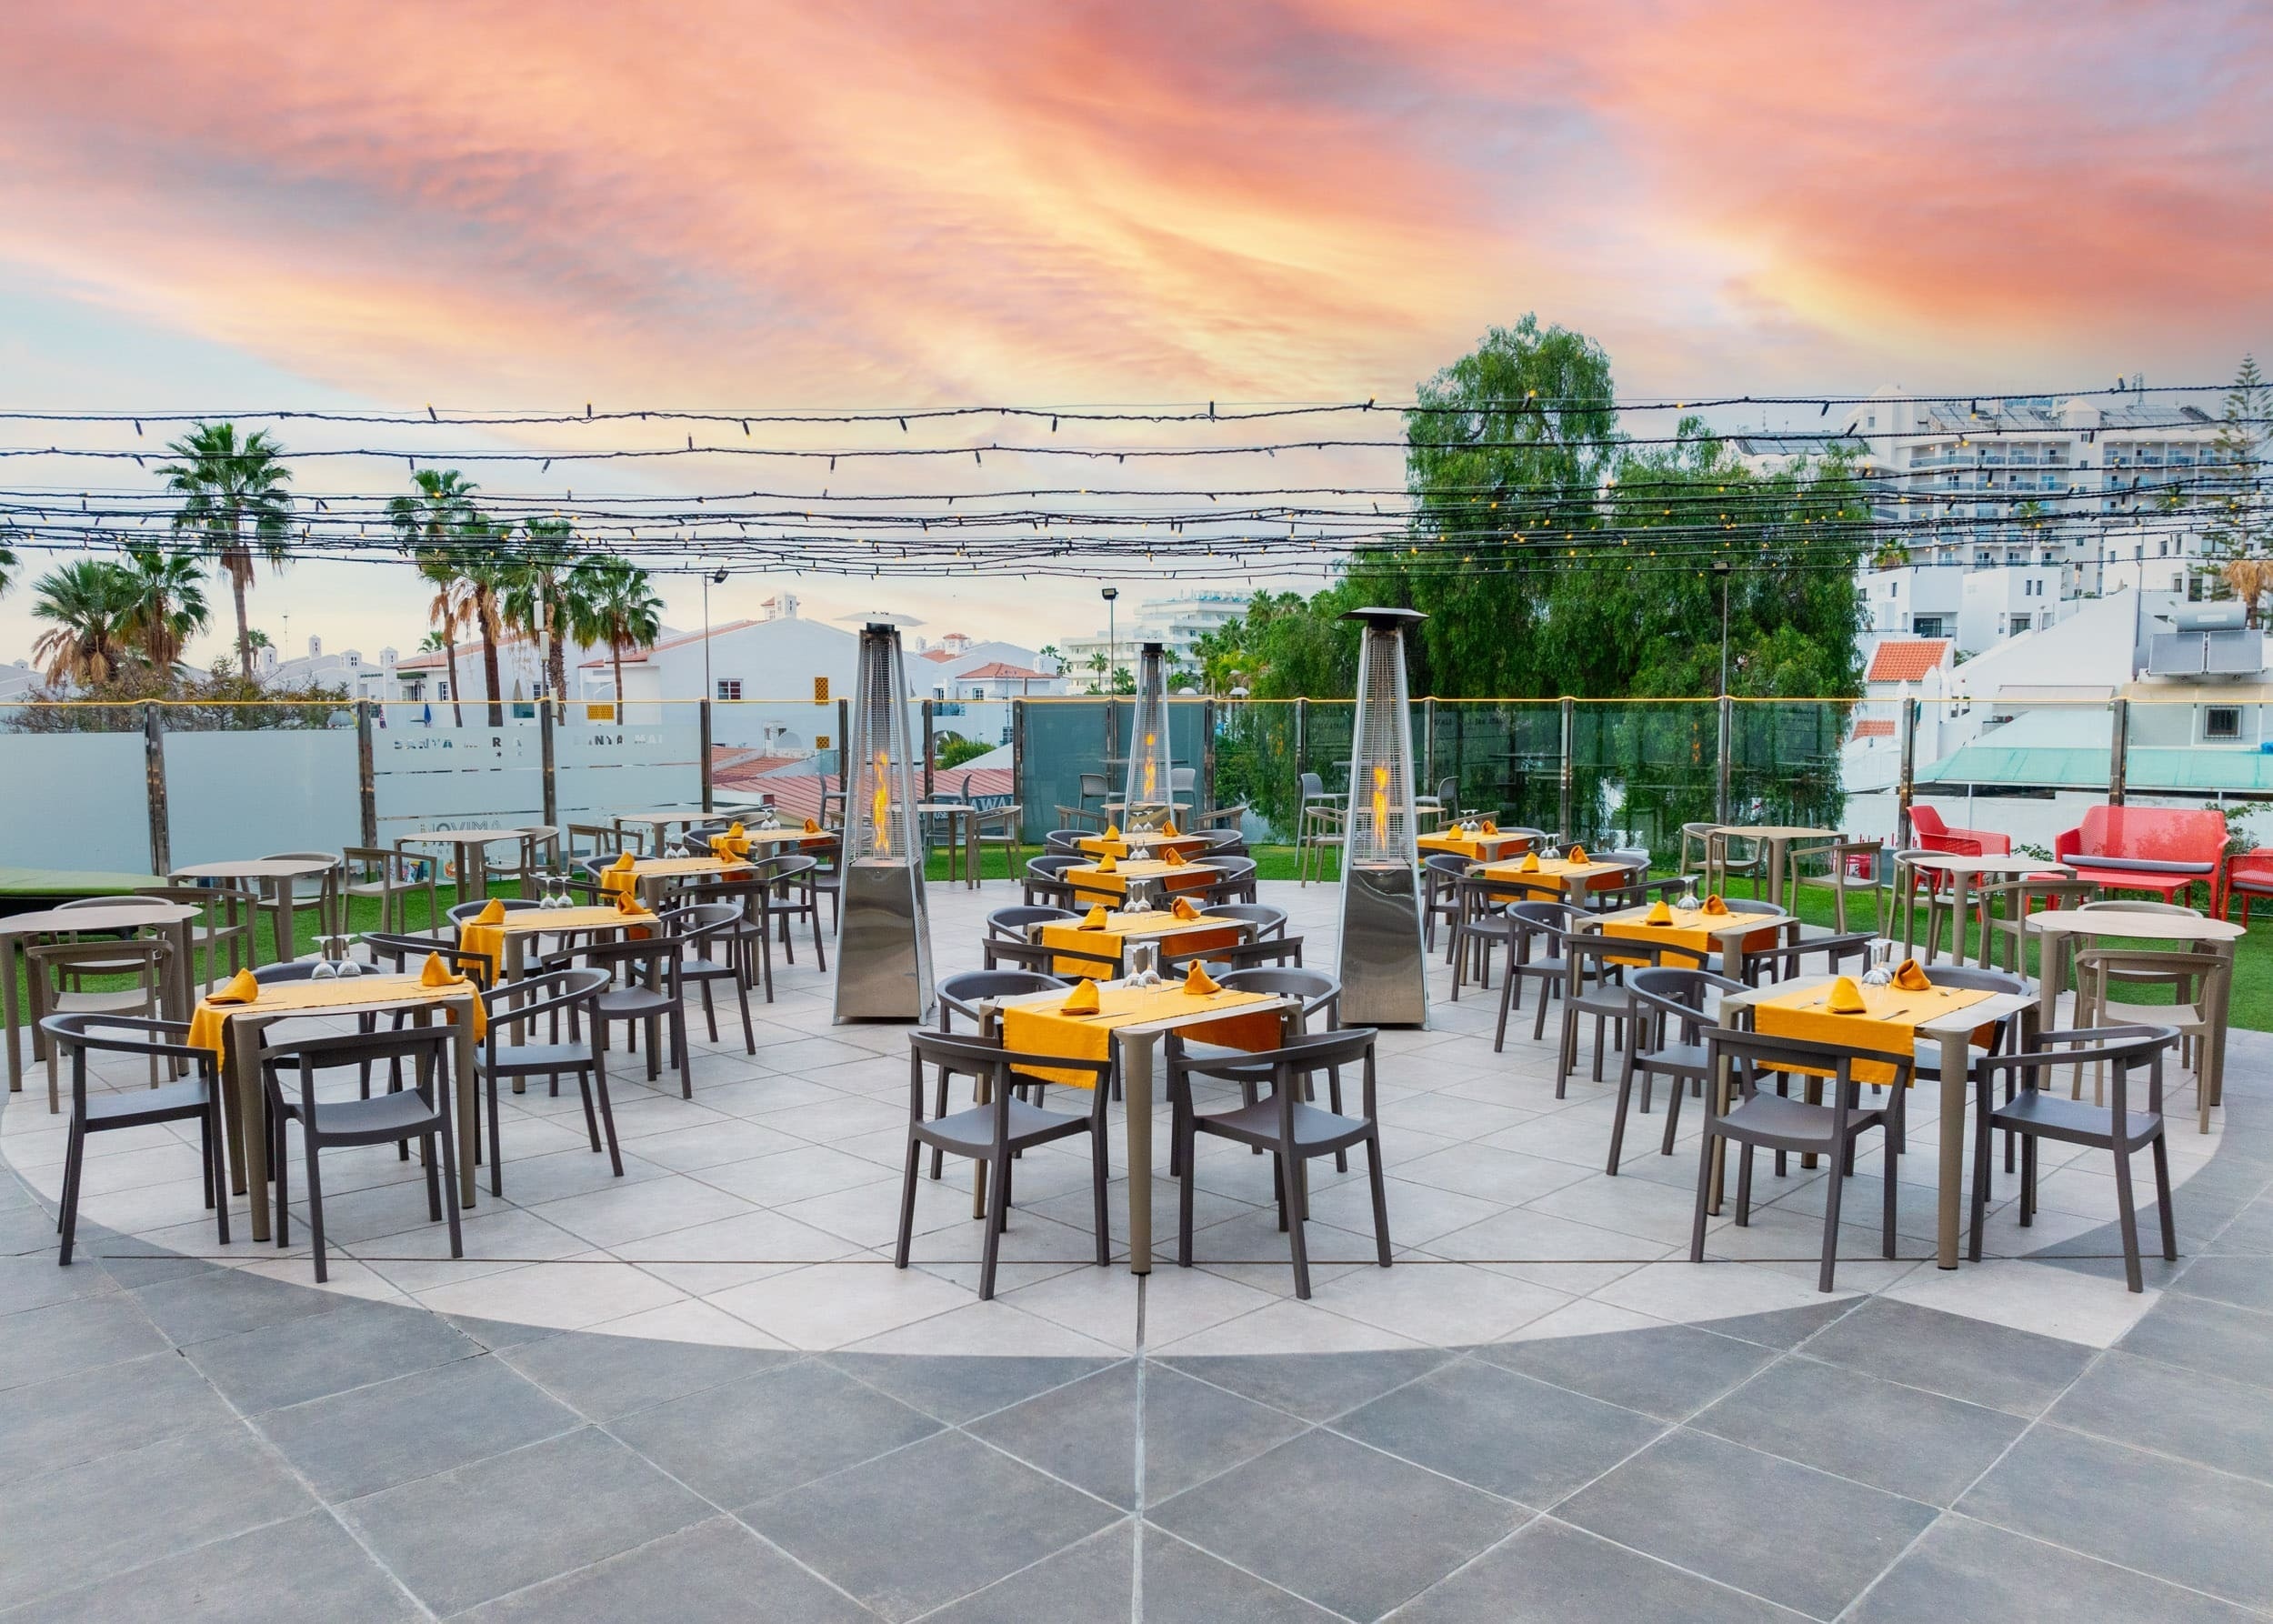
[85,604]
[167,608]
[234,499]
[2239,519]
[618,608]
[9,535]
[536,593]
[487,573]
[433,526]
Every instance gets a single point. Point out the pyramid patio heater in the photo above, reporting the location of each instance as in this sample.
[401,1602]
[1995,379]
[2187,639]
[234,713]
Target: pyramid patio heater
[1382,979]
[1147,803]
[883,953]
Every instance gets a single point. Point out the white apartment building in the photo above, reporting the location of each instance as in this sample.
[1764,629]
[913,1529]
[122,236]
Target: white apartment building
[424,677]
[971,684]
[775,682]
[1177,623]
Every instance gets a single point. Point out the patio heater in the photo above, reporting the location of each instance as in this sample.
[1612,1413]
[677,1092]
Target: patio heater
[1147,802]
[883,953]
[1382,979]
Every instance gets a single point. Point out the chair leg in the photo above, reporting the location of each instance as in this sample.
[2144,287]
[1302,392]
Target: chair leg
[1099,1216]
[1744,1186]
[1180,1135]
[1892,1193]
[1831,1222]
[1981,1138]
[2126,1216]
[997,1219]
[74,1153]
[1704,1194]
[939,1109]
[2162,1200]
[1618,1119]
[1674,1093]
[1297,1202]
[908,1201]
[1381,1196]
[316,1200]
[448,1161]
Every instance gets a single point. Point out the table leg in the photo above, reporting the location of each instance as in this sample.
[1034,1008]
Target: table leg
[1956,1058]
[515,956]
[11,960]
[252,1120]
[1906,899]
[464,1083]
[2051,966]
[1719,1085]
[280,892]
[1136,1096]
[970,848]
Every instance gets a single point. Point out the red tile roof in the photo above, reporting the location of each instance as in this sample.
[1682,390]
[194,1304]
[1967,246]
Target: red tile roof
[1906,659]
[940,654]
[998,668]
[1873,730]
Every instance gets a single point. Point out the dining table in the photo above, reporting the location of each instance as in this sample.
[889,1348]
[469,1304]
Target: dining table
[473,866]
[1779,837]
[1478,846]
[650,878]
[1729,936]
[126,913]
[1121,929]
[241,1026]
[1094,883]
[274,877]
[962,820]
[1951,1024]
[2059,926]
[659,821]
[1133,1021]
[1964,871]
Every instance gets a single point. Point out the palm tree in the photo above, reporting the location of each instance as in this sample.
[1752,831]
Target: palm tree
[167,603]
[235,497]
[537,596]
[619,609]
[432,527]
[86,600]
[486,573]
[8,534]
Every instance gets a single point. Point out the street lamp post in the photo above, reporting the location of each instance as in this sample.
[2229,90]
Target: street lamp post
[1721,568]
[1112,639]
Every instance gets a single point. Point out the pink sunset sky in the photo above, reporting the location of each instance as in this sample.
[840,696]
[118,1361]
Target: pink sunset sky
[489,205]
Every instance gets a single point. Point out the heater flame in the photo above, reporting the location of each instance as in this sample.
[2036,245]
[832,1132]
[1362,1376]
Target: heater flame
[1152,768]
[880,808]
[1381,806]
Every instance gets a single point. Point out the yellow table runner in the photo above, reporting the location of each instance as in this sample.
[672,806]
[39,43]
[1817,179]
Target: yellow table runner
[208,1023]
[1088,883]
[1153,924]
[489,941]
[1689,930]
[625,882]
[1888,1022]
[1557,872]
[1476,846]
[1040,1029]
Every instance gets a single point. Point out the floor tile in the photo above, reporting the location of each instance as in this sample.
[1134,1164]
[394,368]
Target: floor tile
[222,1302]
[372,1438]
[716,1572]
[1902,1439]
[1089,1583]
[1501,1431]
[1964,1569]
[958,1389]
[1949,1354]
[1552,1573]
[923,1495]
[1316,1387]
[2053,1302]
[356,1342]
[604,1376]
[66,1338]
[68,1419]
[2173,1520]
[1185,1585]
[1663,1371]
[2197,1334]
[1794,1536]
[832,1305]
[511,1520]
[770,1432]
[2244,1282]
[2200,1417]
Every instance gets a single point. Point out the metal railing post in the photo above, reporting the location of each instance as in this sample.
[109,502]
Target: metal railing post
[1722,748]
[367,774]
[931,749]
[702,745]
[1017,765]
[1206,797]
[844,746]
[1905,784]
[1302,737]
[1428,743]
[153,772]
[1566,790]
[548,781]
[2118,749]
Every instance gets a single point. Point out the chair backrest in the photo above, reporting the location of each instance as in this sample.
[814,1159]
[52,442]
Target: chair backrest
[1267,921]
[962,990]
[1447,792]
[1925,823]
[126,1034]
[1590,952]
[1549,918]
[1238,956]
[2158,834]
[1231,868]
[541,995]
[1450,864]
[1313,787]
[146,954]
[2115,1048]
[302,857]
[1978,980]
[398,951]
[1751,1053]
[1050,865]
[1316,988]
[121,901]
[981,1057]
[594,839]
[1223,839]
[2152,965]
[459,912]
[1678,994]
[1012,921]
[1094,783]
[292,969]
[2120,905]
[1183,780]
[1065,840]
[426,1046]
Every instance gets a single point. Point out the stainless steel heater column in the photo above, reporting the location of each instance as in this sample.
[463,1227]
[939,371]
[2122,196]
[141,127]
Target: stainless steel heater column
[1383,984]
[883,953]
[1146,802]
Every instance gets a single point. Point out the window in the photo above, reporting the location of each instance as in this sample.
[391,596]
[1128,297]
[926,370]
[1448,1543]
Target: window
[2222,721]
[2019,624]
[442,690]
[729,687]
[1927,626]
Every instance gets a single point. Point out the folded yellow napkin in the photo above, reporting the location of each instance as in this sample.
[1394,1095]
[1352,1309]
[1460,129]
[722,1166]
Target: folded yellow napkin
[1715,906]
[1184,908]
[1910,979]
[1488,827]
[624,860]
[1094,920]
[1168,828]
[724,847]
[1106,865]
[435,973]
[1176,860]
[1198,981]
[242,990]
[493,912]
[1577,855]
[1082,1000]
[1530,863]
[812,826]
[1659,913]
[1845,997]
[1112,832]
[625,903]
[735,831]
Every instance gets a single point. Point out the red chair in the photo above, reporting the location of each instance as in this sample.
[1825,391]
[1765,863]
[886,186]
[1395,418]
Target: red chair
[2247,873]
[1933,835]
[2162,849]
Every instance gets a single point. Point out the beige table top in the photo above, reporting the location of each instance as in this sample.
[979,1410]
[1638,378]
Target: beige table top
[2119,921]
[1774,831]
[1198,1015]
[1952,862]
[1952,1023]
[662,816]
[257,868]
[1744,924]
[461,836]
[123,916]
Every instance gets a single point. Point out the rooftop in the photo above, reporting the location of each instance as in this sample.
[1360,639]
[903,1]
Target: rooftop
[1907,659]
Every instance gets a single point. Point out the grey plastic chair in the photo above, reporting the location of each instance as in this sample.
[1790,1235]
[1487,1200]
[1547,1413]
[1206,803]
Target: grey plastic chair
[961,993]
[1668,1041]
[1010,923]
[513,1007]
[194,1098]
[1593,984]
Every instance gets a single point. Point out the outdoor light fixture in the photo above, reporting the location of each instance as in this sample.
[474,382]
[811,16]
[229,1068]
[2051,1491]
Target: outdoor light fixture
[1382,980]
[1112,637]
[1146,803]
[884,956]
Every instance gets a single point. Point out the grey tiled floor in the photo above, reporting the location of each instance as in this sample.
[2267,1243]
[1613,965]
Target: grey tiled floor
[183,1438]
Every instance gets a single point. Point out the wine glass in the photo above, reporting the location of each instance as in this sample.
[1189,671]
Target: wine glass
[1880,963]
[1144,963]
